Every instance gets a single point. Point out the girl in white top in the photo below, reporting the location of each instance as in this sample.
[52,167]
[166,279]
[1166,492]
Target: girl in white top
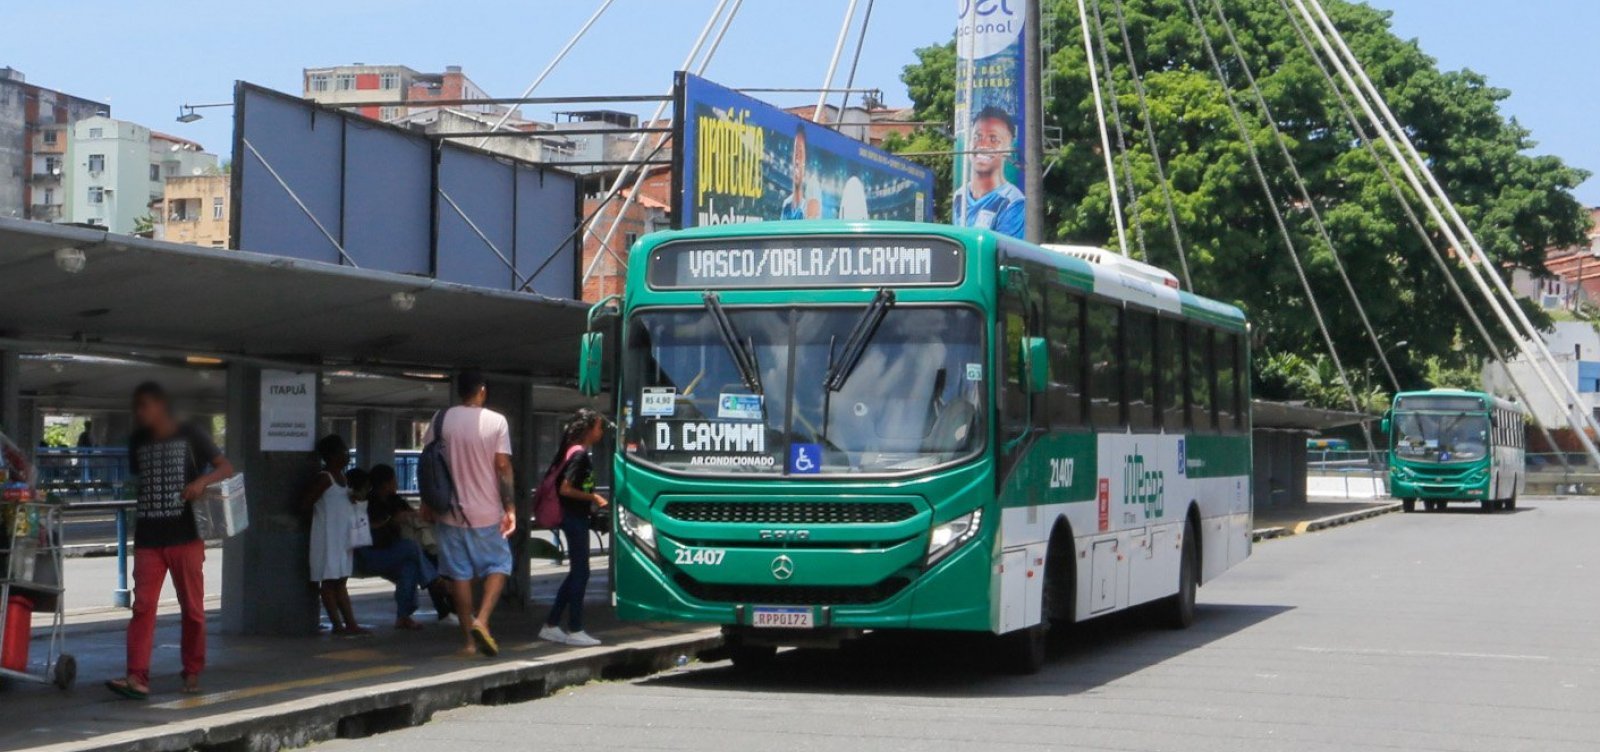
[332,514]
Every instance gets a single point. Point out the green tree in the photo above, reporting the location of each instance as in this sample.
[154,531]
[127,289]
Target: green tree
[1518,203]
[145,226]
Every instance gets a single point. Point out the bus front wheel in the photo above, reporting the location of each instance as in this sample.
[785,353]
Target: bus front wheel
[1488,506]
[1408,505]
[752,657]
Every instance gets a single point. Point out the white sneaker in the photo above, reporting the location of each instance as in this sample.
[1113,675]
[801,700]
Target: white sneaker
[553,634]
[581,639]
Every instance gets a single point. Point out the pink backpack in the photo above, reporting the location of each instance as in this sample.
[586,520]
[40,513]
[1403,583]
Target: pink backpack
[547,498]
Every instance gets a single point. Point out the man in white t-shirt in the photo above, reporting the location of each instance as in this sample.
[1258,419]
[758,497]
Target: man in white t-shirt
[472,539]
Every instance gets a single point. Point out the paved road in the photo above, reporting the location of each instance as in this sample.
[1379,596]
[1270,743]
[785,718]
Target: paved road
[1452,631]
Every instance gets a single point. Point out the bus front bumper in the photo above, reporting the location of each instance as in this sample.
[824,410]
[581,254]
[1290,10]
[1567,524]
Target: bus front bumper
[952,595]
[1471,486]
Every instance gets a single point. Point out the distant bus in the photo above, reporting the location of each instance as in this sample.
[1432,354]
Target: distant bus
[1448,445]
[830,428]
[1327,445]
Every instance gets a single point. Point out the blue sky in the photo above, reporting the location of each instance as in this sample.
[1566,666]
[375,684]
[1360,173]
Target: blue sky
[145,62]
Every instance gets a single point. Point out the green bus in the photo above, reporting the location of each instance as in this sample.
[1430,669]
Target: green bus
[830,428]
[1451,445]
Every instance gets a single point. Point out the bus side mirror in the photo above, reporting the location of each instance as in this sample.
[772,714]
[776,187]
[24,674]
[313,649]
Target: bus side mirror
[591,361]
[1383,425]
[1036,357]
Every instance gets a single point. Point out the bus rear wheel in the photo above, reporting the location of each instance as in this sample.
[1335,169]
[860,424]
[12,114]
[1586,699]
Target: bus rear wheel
[1179,607]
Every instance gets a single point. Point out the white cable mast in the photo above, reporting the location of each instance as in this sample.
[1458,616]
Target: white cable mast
[1105,135]
[1383,126]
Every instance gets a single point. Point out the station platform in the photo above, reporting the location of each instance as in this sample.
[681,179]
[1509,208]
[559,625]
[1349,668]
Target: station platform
[263,693]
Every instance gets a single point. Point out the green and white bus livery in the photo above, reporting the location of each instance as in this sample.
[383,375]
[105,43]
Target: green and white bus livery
[1450,445]
[829,428]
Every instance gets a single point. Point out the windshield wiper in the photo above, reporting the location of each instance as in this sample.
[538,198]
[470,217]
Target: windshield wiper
[742,352]
[856,344]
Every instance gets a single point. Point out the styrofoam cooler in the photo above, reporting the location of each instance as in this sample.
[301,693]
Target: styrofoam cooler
[221,511]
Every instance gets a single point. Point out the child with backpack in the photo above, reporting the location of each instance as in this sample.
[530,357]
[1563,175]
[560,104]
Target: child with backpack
[570,482]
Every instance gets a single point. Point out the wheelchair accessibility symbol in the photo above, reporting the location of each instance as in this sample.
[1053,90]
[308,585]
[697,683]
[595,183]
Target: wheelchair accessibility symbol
[805,459]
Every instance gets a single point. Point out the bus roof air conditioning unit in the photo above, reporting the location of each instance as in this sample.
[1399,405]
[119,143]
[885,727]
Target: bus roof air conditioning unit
[1119,263]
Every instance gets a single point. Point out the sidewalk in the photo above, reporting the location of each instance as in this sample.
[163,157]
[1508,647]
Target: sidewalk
[1317,514]
[268,693]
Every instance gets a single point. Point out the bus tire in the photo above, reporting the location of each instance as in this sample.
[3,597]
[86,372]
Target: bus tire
[1408,505]
[1511,503]
[1179,607]
[1026,649]
[1487,506]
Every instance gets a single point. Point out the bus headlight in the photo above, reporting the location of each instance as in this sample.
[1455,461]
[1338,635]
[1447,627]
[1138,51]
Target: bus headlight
[637,528]
[951,535]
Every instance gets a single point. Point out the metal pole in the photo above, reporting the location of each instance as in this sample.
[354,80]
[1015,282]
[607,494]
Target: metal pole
[1033,127]
[604,4]
[120,597]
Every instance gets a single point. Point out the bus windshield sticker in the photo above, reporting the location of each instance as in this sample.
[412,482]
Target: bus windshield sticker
[698,436]
[658,402]
[805,459]
[739,406]
[974,372]
[787,262]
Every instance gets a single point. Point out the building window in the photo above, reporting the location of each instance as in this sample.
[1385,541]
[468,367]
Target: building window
[216,207]
[389,81]
[97,195]
[172,169]
[155,172]
[52,165]
[628,239]
[319,82]
[388,113]
[50,137]
[97,163]
[345,82]
[97,133]
[49,196]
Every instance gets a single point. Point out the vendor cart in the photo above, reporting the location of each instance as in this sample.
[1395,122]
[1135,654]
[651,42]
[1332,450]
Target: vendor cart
[32,581]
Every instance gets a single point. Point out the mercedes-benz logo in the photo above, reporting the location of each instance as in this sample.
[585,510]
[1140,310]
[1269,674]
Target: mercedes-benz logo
[782,568]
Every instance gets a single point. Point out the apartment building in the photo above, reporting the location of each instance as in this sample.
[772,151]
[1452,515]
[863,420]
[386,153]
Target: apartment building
[194,210]
[34,123]
[397,89]
[116,171]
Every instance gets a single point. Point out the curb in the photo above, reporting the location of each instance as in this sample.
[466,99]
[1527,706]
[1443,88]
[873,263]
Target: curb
[363,712]
[1322,523]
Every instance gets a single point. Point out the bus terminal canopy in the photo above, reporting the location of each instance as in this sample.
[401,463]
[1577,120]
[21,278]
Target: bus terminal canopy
[77,289]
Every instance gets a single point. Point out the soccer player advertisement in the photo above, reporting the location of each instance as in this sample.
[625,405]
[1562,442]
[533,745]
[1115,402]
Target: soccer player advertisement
[989,105]
[742,160]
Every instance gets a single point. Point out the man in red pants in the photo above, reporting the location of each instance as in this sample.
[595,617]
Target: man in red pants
[170,460]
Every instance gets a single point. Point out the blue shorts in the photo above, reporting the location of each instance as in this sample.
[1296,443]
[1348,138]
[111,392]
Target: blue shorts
[470,553]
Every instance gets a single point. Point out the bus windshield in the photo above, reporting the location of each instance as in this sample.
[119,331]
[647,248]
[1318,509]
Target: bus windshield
[1441,437]
[914,399]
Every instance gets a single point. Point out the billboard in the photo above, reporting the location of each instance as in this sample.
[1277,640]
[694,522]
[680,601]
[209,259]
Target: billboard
[310,180]
[742,160]
[989,116]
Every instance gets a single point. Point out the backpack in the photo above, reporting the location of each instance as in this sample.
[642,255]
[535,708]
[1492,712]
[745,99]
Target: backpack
[434,483]
[547,498]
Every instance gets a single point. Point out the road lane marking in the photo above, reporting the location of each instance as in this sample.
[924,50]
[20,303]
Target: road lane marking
[190,703]
[1424,653]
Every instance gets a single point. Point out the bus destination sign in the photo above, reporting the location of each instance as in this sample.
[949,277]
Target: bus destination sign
[799,261]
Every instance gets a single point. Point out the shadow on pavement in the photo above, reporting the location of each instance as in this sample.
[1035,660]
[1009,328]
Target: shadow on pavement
[1082,657]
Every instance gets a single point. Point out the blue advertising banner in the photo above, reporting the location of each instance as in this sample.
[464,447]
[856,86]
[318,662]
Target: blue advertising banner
[989,116]
[742,160]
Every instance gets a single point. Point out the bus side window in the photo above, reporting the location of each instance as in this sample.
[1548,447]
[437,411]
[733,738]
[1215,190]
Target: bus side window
[1101,346]
[1169,370]
[1227,388]
[1013,396]
[1064,329]
[1138,336]
[1202,379]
